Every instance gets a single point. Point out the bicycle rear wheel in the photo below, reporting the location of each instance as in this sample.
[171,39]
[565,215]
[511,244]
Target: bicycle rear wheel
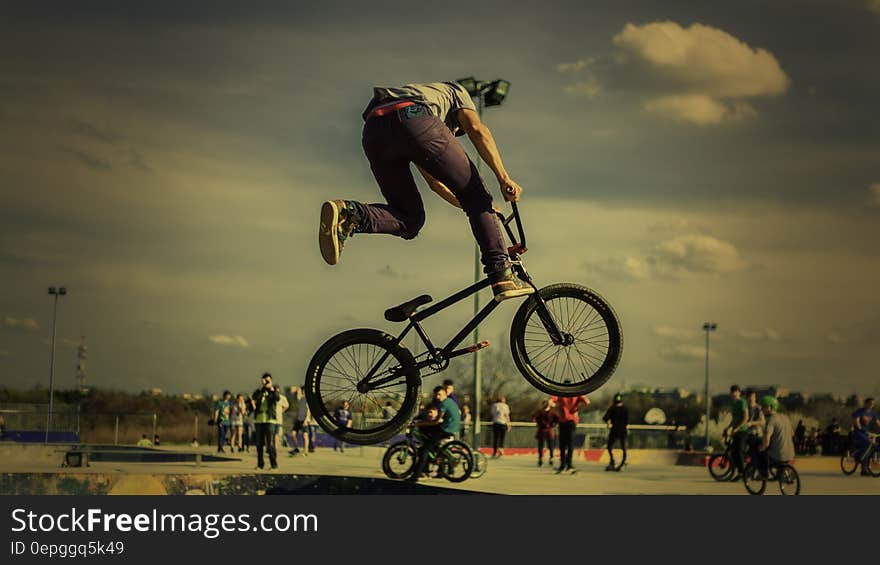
[789,481]
[592,347]
[720,467]
[456,461]
[399,461]
[848,461]
[337,368]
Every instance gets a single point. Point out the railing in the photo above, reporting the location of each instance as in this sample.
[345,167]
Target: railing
[590,435]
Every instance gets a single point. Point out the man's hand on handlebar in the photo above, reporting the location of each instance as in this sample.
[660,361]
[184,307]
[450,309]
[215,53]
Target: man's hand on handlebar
[510,190]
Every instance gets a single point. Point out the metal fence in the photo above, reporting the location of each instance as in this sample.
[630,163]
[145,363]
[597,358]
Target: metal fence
[639,436]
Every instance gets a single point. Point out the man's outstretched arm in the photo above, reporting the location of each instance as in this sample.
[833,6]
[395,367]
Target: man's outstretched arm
[483,140]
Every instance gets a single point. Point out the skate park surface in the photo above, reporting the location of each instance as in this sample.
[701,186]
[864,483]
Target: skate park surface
[37,469]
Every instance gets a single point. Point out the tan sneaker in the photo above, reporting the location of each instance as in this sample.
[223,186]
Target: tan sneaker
[505,285]
[336,225]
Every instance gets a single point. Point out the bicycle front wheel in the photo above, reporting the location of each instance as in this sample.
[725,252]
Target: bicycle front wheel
[456,463]
[592,344]
[720,467]
[399,461]
[334,375]
[789,481]
[755,483]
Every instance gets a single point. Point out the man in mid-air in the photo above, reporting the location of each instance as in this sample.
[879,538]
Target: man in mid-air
[417,123]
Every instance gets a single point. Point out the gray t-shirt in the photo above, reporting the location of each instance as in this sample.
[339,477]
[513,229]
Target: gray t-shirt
[778,429]
[443,99]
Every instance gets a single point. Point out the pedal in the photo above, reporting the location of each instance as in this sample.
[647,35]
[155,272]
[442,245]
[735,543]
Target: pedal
[478,346]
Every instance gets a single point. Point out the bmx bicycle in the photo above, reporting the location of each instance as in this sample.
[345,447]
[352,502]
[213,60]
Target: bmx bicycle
[782,472]
[452,459]
[565,339]
[851,459]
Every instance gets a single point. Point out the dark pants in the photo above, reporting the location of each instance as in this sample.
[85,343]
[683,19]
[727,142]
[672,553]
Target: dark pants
[266,438]
[738,450]
[550,443]
[612,438]
[566,444]
[498,433]
[433,437]
[391,143]
[222,432]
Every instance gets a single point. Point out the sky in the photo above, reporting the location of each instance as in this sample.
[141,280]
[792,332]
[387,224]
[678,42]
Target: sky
[690,161]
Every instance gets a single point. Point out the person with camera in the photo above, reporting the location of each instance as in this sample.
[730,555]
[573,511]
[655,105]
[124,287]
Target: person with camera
[263,403]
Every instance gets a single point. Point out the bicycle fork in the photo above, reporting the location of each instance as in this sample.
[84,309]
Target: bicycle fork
[544,314]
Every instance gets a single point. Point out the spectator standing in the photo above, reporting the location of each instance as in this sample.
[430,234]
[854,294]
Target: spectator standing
[236,420]
[863,419]
[144,441]
[618,417]
[280,408]
[500,425]
[222,411]
[156,440]
[545,419]
[299,423]
[466,422]
[831,439]
[248,435]
[263,403]
[343,418]
[567,411]
[800,437]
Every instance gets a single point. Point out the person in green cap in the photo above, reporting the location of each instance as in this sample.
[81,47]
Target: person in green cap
[778,445]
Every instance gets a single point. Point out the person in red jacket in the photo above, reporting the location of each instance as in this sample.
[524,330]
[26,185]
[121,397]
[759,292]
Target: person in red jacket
[567,413]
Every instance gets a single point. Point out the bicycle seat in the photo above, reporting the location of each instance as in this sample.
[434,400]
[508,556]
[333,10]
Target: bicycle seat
[403,311]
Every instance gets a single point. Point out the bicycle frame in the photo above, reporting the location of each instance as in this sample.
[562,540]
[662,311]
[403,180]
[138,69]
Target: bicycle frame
[438,359]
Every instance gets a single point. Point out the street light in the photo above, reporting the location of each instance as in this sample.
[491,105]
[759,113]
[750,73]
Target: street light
[486,93]
[708,327]
[56,293]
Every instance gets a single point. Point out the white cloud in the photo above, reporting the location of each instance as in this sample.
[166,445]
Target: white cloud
[705,71]
[24,324]
[874,189]
[700,109]
[586,83]
[697,254]
[229,340]
[684,352]
[759,335]
[627,268]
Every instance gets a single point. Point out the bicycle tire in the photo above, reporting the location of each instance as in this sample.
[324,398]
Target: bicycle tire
[754,482]
[404,455]
[530,343]
[356,351]
[719,467]
[458,461]
[848,462]
[789,480]
[874,462]
[481,462]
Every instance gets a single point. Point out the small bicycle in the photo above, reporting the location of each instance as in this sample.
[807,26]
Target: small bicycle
[453,459]
[850,459]
[782,472]
[565,339]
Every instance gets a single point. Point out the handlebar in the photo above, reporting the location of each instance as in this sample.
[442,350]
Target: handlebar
[518,247]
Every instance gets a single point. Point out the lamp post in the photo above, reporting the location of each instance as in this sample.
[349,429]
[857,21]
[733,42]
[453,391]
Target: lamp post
[708,327]
[56,293]
[486,94]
